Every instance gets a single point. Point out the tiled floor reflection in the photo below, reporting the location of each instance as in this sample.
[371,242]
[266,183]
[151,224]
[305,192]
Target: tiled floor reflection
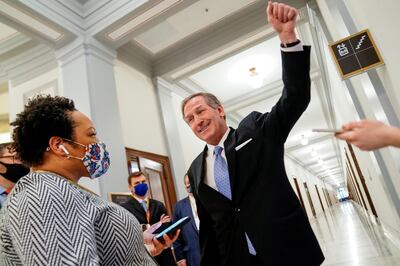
[348,237]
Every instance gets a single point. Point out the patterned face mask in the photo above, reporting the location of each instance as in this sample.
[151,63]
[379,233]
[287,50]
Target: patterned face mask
[96,158]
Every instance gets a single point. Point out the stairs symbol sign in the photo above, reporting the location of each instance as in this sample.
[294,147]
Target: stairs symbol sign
[361,41]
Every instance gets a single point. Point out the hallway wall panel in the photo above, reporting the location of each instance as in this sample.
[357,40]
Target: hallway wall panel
[140,115]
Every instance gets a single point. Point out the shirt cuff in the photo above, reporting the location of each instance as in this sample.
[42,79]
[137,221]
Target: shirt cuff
[296,48]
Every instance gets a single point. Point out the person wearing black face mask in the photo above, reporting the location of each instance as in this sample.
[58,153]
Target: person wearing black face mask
[148,212]
[11,170]
[186,247]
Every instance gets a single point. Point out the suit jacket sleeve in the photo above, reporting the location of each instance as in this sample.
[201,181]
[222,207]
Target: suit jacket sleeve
[294,99]
[180,243]
[157,209]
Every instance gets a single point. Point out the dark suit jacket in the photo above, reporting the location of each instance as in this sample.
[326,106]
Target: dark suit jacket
[157,208]
[187,245]
[263,203]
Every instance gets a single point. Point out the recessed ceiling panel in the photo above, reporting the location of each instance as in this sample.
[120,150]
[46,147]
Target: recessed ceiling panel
[188,21]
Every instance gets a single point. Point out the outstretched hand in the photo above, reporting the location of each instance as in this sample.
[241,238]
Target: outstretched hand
[369,135]
[282,18]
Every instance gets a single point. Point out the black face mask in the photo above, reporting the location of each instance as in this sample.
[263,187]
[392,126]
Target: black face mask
[14,171]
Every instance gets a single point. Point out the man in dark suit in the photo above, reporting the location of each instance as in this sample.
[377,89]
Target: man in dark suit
[249,213]
[147,211]
[186,247]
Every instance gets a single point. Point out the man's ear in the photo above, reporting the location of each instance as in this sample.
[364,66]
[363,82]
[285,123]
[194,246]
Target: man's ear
[55,145]
[221,110]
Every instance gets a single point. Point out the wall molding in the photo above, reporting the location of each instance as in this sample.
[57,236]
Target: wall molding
[81,47]
[47,88]
[29,64]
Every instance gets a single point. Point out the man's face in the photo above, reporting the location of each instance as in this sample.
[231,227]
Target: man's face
[207,123]
[187,185]
[136,181]
[8,158]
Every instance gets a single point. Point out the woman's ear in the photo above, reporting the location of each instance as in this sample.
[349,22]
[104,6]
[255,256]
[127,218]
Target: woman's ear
[56,146]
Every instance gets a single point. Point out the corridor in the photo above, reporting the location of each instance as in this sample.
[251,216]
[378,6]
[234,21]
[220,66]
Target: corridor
[348,237]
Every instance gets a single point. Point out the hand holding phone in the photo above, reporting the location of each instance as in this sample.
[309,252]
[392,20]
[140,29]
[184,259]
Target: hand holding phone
[156,247]
[170,231]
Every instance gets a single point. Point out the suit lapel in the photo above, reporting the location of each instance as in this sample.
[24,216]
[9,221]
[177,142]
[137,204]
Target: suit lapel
[139,209]
[230,154]
[199,168]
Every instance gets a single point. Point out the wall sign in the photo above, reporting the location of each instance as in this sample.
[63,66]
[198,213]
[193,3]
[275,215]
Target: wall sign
[355,54]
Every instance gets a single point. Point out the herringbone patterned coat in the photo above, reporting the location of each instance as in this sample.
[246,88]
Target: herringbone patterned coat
[49,221]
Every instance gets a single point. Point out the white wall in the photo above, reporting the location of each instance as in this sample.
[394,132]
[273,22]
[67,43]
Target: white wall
[48,83]
[140,116]
[4,106]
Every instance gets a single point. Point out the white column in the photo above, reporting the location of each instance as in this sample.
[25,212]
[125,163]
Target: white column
[88,78]
[173,137]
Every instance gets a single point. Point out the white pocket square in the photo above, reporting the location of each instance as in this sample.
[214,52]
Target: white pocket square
[243,144]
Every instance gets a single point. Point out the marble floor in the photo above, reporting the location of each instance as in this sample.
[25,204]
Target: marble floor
[349,237]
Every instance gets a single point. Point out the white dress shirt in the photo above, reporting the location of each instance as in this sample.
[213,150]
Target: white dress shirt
[194,211]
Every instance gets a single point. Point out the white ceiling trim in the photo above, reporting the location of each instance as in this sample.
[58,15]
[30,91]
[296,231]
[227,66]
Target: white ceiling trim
[83,10]
[29,64]
[12,43]
[8,37]
[30,22]
[139,20]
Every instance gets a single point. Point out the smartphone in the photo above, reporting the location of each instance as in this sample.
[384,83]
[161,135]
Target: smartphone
[327,130]
[172,228]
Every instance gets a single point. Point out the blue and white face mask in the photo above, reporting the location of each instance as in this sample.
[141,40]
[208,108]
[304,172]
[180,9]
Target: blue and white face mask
[96,158]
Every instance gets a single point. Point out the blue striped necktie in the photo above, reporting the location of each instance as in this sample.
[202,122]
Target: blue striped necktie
[222,181]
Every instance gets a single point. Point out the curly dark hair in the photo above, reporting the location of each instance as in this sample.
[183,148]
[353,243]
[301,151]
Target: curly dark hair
[44,116]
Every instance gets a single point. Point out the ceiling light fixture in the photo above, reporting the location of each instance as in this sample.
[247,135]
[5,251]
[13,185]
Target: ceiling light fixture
[313,153]
[256,81]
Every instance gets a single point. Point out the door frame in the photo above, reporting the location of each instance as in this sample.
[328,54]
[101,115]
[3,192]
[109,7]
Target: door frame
[170,198]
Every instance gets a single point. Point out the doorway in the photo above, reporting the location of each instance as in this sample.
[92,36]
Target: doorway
[157,169]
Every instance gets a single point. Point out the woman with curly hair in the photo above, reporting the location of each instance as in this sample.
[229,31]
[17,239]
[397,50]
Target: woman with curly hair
[48,219]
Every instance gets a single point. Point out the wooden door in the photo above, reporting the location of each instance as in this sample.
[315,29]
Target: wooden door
[158,172]
[319,197]
[299,194]
[309,198]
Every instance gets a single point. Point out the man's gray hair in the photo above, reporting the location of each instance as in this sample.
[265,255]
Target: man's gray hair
[210,98]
